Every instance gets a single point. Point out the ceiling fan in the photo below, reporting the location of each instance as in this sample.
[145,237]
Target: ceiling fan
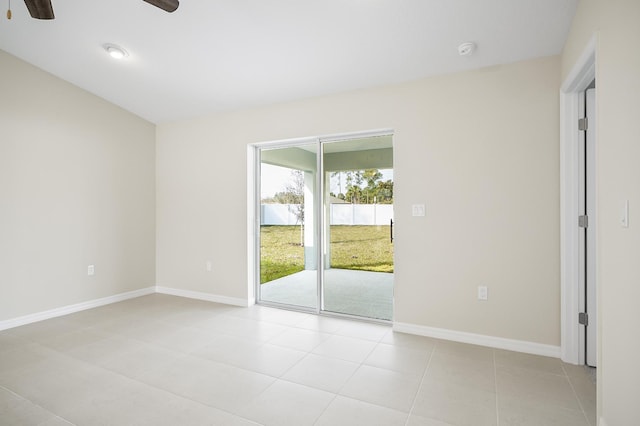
[42,9]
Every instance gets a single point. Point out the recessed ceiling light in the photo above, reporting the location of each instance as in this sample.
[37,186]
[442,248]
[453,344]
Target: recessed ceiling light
[116,52]
[467,48]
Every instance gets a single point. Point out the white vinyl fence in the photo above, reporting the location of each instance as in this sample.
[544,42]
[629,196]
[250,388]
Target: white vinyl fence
[341,214]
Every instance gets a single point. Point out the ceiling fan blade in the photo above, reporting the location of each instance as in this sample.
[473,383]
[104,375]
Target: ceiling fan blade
[40,9]
[166,5]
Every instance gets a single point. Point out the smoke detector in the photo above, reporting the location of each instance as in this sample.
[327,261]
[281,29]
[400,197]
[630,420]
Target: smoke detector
[467,48]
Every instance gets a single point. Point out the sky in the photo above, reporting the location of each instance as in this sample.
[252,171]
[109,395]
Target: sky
[274,179]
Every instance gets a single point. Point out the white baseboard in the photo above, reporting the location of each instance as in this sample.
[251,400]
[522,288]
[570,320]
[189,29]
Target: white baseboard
[439,333]
[70,309]
[479,339]
[66,310]
[236,301]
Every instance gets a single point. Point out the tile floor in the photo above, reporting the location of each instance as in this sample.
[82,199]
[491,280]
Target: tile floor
[163,360]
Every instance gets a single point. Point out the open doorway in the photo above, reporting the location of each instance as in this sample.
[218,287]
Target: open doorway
[325,215]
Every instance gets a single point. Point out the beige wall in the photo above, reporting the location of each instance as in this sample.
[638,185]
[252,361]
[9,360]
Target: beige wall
[616,24]
[479,148]
[76,188]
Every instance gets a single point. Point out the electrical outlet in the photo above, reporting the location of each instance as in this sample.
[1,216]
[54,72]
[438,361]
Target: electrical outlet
[483,292]
[209,266]
[91,270]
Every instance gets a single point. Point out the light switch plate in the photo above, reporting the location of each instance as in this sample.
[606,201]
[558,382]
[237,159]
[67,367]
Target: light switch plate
[91,270]
[483,292]
[418,210]
[624,216]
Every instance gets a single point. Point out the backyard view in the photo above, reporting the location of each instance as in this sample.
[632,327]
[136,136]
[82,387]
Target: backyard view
[356,247]
[337,216]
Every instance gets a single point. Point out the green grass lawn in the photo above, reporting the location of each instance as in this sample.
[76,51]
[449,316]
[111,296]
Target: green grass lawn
[365,248]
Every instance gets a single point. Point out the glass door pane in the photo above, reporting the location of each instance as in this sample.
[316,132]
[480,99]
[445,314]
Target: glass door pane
[358,215]
[288,226]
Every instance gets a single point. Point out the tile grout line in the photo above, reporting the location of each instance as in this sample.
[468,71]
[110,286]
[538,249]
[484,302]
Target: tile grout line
[337,393]
[424,375]
[236,414]
[36,405]
[188,398]
[360,364]
[281,377]
[335,396]
[182,354]
[575,393]
[153,386]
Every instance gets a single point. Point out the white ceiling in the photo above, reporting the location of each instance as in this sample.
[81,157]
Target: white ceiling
[219,55]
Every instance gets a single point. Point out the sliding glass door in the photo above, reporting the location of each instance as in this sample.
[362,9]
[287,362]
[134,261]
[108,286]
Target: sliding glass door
[288,226]
[325,215]
[358,213]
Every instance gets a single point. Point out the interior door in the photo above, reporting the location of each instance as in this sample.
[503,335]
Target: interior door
[591,298]
[587,235]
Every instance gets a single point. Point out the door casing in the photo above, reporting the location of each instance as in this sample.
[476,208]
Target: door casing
[577,81]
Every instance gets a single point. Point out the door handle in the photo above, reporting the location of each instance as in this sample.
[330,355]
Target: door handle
[391,230]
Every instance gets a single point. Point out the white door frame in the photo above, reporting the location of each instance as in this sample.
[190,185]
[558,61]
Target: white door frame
[577,81]
[253,210]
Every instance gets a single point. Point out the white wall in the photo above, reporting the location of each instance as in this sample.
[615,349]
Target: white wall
[615,23]
[480,149]
[76,188]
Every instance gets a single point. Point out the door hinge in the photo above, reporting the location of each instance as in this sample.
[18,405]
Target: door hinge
[583,221]
[583,124]
[583,318]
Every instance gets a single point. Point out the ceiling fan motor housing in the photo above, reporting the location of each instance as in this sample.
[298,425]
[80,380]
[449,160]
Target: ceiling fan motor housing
[166,5]
[40,9]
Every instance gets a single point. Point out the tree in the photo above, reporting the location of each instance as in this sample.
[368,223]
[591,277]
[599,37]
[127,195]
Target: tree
[339,175]
[284,197]
[366,187]
[354,181]
[371,176]
[293,197]
[385,192]
[354,194]
[295,189]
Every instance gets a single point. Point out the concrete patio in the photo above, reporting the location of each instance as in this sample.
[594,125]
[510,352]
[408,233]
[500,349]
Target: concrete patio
[361,293]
